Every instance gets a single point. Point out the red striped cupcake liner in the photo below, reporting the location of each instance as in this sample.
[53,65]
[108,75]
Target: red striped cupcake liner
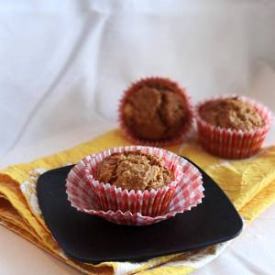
[166,83]
[231,143]
[132,207]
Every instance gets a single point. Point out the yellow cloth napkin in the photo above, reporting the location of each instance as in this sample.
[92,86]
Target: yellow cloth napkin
[250,184]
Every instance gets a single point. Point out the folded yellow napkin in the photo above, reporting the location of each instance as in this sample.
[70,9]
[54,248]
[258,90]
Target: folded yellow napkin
[250,184]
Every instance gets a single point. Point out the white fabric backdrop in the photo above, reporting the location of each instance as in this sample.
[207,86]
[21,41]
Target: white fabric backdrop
[64,65]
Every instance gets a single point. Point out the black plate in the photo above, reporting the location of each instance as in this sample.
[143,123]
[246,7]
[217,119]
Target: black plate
[91,239]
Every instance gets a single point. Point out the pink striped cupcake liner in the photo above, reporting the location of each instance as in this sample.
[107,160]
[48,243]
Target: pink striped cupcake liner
[231,143]
[162,82]
[132,207]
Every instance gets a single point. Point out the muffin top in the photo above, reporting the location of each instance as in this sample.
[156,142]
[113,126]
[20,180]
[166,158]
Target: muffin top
[154,113]
[133,170]
[232,113]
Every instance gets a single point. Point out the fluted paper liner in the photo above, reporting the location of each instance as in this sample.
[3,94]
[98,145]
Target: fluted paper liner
[130,206]
[231,143]
[166,83]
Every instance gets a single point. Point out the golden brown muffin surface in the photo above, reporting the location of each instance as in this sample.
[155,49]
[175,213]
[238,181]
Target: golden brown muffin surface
[231,113]
[154,113]
[134,170]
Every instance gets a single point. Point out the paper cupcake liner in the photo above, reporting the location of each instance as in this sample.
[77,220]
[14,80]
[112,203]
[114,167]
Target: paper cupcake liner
[231,143]
[134,207]
[166,82]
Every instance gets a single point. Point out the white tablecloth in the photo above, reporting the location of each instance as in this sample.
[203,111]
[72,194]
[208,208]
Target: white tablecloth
[64,65]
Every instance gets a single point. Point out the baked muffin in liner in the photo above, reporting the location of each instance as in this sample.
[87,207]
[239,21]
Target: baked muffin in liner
[134,207]
[161,125]
[232,143]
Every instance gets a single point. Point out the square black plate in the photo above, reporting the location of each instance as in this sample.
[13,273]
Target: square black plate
[91,239]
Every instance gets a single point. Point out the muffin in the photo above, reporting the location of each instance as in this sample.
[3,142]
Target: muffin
[155,111]
[232,127]
[143,173]
[134,170]
[134,185]
[232,113]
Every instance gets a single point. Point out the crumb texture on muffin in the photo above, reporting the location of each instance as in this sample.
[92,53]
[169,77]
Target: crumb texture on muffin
[154,113]
[134,170]
[233,113]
